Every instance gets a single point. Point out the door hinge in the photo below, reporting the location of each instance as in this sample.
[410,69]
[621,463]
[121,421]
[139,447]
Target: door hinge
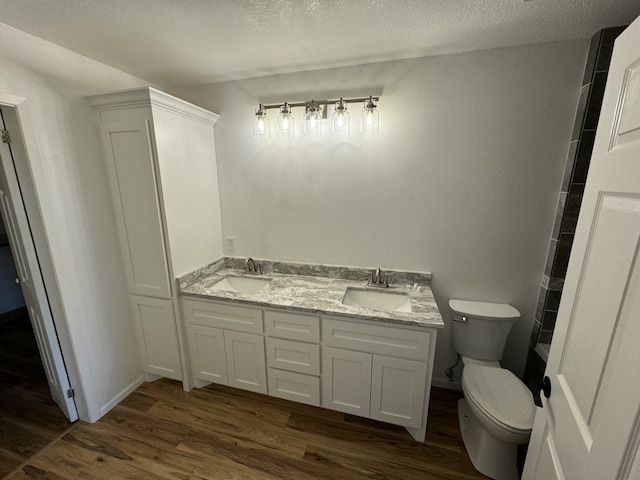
[6,138]
[71,393]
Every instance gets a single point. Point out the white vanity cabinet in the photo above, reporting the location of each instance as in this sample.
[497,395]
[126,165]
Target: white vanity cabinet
[376,371]
[226,344]
[161,165]
[371,369]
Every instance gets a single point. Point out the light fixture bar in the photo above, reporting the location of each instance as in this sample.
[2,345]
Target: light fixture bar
[319,102]
[315,111]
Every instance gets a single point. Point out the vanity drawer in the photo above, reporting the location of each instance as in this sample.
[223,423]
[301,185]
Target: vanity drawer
[293,356]
[292,326]
[294,386]
[376,339]
[228,317]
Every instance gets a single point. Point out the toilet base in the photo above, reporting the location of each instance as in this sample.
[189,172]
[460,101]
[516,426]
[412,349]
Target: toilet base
[490,456]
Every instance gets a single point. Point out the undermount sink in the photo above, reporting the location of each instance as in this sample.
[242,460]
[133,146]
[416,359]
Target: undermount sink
[385,301]
[240,284]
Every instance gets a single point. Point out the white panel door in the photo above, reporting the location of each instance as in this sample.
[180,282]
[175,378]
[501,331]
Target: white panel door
[589,427]
[131,169]
[23,250]
[155,324]
[246,362]
[346,381]
[398,390]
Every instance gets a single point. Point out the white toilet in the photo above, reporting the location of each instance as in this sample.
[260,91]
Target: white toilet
[497,411]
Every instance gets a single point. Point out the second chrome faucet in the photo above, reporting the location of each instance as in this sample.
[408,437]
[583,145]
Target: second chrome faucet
[378,279]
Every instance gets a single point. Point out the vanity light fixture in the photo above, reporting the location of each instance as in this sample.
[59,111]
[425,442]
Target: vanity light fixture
[314,113]
[261,126]
[370,117]
[313,119]
[286,123]
[341,120]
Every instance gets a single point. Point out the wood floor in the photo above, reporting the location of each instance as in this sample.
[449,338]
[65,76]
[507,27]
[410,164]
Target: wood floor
[29,419]
[162,432]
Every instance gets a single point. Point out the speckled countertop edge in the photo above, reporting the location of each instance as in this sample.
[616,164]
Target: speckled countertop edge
[303,288]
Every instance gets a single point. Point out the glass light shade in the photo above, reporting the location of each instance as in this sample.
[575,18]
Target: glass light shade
[370,117]
[340,120]
[313,121]
[286,123]
[261,125]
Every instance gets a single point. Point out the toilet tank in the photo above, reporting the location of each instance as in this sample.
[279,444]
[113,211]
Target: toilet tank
[480,329]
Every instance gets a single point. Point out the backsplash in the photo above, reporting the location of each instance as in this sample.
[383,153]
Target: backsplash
[395,277]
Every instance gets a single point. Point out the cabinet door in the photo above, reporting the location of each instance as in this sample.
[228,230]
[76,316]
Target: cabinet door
[208,360]
[398,390]
[157,336]
[132,177]
[246,361]
[346,381]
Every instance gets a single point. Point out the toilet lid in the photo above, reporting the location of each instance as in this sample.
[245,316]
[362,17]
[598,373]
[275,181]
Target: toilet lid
[488,311]
[500,394]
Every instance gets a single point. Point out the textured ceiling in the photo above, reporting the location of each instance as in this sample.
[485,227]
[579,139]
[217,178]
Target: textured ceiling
[186,42]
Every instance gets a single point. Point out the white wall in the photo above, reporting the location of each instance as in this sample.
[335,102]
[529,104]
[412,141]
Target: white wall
[462,181]
[71,185]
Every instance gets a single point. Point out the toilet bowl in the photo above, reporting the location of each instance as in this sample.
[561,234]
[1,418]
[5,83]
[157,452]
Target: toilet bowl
[497,411]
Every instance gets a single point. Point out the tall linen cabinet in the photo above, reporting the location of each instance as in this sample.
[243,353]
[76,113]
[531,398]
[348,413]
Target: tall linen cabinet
[161,164]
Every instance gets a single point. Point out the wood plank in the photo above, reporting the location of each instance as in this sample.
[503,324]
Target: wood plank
[162,432]
[29,419]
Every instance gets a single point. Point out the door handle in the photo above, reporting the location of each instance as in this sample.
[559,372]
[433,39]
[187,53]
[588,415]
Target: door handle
[545,387]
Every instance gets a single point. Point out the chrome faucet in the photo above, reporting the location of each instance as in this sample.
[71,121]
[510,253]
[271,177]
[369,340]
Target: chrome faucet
[378,279]
[250,266]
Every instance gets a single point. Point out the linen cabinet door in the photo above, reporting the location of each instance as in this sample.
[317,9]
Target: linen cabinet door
[246,361]
[398,390]
[132,179]
[346,381]
[157,336]
[208,359]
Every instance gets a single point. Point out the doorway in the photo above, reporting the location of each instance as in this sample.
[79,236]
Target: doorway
[29,418]
[29,346]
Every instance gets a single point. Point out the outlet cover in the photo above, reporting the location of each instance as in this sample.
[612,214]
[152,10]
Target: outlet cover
[230,244]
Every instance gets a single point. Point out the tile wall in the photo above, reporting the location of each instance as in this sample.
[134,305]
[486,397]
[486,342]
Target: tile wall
[572,190]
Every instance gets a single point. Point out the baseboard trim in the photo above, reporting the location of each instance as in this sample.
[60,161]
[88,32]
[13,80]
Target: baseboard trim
[121,396]
[445,383]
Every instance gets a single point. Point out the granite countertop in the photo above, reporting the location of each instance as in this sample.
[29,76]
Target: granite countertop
[316,289]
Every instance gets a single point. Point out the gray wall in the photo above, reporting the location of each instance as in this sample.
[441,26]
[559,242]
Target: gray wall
[68,172]
[462,181]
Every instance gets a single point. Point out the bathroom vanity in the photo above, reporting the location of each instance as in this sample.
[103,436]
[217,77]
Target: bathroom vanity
[294,333]
[307,333]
